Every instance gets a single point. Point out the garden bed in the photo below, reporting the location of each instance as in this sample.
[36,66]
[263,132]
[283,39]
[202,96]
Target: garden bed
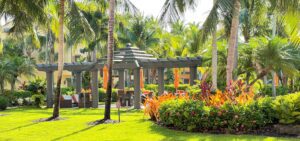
[234,111]
[288,131]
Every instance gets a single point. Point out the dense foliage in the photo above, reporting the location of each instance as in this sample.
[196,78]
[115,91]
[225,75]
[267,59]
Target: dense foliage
[3,103]
[102,95]
[196,115]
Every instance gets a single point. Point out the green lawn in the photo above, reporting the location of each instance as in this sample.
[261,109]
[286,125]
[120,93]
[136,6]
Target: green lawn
[18,124]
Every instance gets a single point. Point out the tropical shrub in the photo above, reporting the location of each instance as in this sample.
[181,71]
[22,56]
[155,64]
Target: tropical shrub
[236,93]
[152,104]
[67,90]
[36,86]
[38,99]
[20,97]
[194,115]
[267,90]
[168,87]
[287,108]
[102,95]
[3,103]
[151,87]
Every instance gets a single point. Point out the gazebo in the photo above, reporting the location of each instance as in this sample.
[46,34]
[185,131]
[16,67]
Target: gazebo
[128,58]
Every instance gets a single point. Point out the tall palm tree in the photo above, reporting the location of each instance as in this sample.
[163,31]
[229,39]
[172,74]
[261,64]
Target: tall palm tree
[110,51]
[175,8]
[214,60]
[60,65]
[232,43]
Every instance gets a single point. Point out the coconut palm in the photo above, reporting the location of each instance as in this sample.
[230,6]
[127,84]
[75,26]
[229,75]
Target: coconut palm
[60,65]
[141,32]
[110,46]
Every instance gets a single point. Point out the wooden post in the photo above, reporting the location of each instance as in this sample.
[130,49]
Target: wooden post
[78,81]
[49,77]
[137,89]
[193,75]
[94,88]
[161,83]
[121,84]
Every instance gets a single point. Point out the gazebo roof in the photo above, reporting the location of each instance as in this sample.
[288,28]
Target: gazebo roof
[130,54]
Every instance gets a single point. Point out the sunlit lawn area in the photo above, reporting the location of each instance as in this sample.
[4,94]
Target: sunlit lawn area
[18,124]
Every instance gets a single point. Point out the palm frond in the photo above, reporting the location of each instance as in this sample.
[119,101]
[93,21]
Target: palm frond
[172,10]
[221,8]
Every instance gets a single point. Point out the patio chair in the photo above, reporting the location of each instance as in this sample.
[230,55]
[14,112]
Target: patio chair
[66,101]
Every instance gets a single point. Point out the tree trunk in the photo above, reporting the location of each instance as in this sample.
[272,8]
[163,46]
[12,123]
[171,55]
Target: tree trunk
[214,64]
[232,41]
[263,73]
[273,84]
[2,87]
[13,83]
[110,53]
[60,60]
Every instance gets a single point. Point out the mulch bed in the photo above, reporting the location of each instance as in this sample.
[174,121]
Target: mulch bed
[102,121]
[270,130]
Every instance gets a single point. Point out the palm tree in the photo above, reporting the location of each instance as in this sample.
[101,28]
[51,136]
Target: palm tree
[20,66]
[140,32]
[232,43]
[5,72]
[110,51]
[214,60]
[274,55]
[174,9]
[60,60]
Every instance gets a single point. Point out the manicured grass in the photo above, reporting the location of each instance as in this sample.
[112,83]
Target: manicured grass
[18,124]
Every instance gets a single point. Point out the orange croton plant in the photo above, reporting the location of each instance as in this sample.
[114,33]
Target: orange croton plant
[152,104]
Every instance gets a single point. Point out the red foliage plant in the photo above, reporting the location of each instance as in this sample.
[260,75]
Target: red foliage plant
[152,104]
[236,93]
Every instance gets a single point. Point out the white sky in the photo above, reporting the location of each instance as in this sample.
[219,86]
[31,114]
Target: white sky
[153,8]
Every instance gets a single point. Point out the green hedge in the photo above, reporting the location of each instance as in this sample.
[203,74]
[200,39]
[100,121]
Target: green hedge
[16,96]
[195,116]
[102,94]
[168,87]
[287,108]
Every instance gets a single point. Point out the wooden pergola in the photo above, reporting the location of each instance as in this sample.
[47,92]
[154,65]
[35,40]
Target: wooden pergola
[128,58]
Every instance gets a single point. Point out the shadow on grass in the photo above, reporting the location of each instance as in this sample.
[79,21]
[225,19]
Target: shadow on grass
[19,127]
[76,132]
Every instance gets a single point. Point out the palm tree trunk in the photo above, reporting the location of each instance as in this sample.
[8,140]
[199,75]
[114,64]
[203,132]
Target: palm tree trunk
[232,41]
[110,52]
[214,64]
[273,84]
[2,86]
[12,84]
[60,60]
[273,73]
